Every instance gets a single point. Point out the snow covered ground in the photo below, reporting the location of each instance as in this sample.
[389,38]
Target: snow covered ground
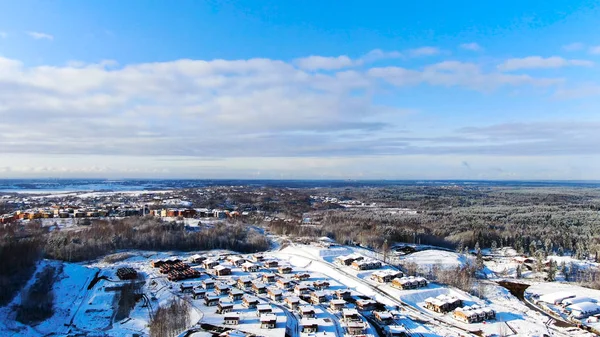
[78,310]
[428,258]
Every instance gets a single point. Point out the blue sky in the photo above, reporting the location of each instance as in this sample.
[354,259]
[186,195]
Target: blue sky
[300,89]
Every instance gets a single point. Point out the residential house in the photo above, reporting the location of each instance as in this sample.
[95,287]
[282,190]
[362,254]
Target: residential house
[244,282]
[355,328]
[211,299]
[259,288]
[223,308]
[346,260]
[320,285]
[366,305]
[236,260]
[302,276]
[443,303]
[197,258]
[263,309]
[292,302]
[268,321]
[221,288]
[384,317]
[307,311]
[318,297]
[249,267]
[231,319]
[337,305]
[235,294]
[210,263]
[351,315]
[301,289]
[268,278]
[222,270]
[271,264]
[208,284]
[249,301]
[309,325]
[343,294]
[198,293]
[384,276]
[284,283]
[366,264]
[284,270]
[474,314]
[275,294]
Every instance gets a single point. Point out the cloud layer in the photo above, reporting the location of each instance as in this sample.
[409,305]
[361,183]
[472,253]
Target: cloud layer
[314,107]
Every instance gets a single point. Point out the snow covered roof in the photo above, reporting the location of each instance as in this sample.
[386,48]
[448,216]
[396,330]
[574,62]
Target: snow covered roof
[385,272]
[395,329]
[349,312]
[384,315]
[268,318]
[584,307]
[557,297]
[264,306]
[307,308]
[326,239]
[309,322]
[575,300]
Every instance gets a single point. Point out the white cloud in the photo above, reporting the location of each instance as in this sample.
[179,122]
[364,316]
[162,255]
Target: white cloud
[255,108]
[595,50]
[581,91]
[575,46]
[471,46]
[454,73]
[537,62]
[314,62]
[40,36]
[424,51]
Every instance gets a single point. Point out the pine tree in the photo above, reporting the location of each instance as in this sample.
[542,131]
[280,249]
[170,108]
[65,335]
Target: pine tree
[479,258]
[564,270]
[385,248]
[551,274]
